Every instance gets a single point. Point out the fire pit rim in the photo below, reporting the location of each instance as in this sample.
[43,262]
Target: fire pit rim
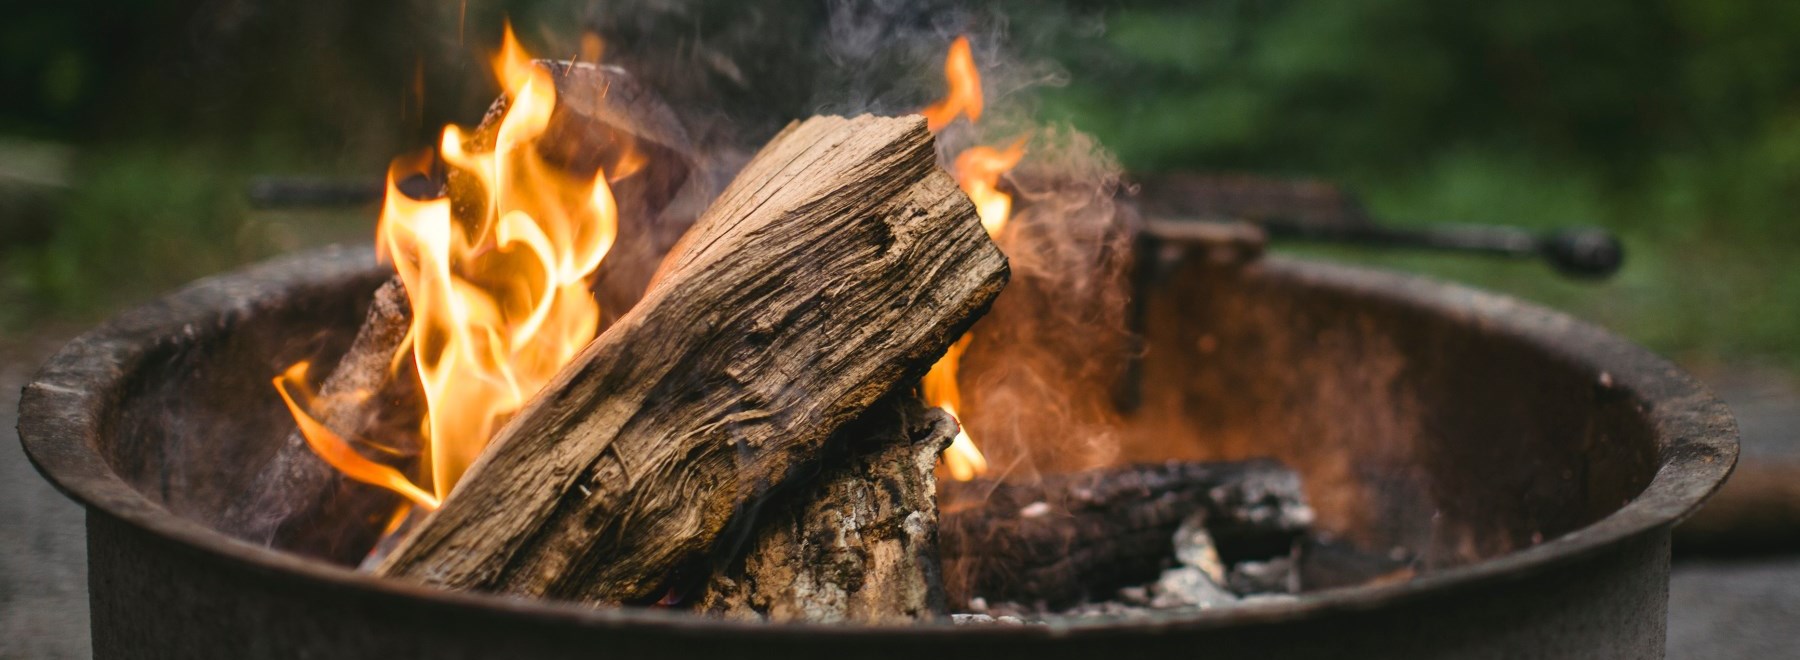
[60,420]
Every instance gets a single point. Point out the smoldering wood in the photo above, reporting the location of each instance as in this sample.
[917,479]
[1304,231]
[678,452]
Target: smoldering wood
[1070,537]
[605,118]
[300,503]
[837,266]
[857,544]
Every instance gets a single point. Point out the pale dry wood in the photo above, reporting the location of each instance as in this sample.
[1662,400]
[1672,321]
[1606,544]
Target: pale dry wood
[859,544]
[301,504]
[837,266]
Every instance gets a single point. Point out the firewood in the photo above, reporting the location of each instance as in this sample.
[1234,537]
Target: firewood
[1067,537]
[603,118]
[837,266]
[299,503]
[859,543]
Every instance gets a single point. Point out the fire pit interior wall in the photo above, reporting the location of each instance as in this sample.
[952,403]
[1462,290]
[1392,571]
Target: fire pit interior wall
[199,415]
[1369,398]
[1413,429]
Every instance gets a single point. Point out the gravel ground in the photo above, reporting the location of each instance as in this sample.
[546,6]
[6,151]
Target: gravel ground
[1718,610]
[43,553]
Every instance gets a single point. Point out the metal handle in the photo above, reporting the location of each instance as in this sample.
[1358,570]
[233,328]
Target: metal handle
[1584,252]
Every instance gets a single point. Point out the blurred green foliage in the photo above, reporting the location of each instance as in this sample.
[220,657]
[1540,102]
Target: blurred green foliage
[1675,123]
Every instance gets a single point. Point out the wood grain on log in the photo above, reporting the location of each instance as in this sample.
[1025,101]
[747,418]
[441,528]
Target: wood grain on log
[831,272]
[301,504]
[857,544]
[1068,537]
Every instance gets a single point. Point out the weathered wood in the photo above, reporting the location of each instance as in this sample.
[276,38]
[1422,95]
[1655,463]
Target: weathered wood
[301,504]
[860,542]
[831,272]
[1069,537]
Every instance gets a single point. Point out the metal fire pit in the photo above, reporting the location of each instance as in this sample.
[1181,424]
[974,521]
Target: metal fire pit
[1535,463]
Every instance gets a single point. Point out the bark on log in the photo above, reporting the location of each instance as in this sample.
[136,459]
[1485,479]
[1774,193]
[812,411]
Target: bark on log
[301,504]
[859,543]
[831,272]
[1069,537]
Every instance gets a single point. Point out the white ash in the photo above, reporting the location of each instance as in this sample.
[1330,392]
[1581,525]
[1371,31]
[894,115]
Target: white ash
[986,620]
[1280,575]
[1198,582]
[1187,586]
[1194,547]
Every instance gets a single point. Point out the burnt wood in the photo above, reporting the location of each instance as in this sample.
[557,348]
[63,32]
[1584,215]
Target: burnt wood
[857,544]
[837,266]
[1068,537]
[301,504]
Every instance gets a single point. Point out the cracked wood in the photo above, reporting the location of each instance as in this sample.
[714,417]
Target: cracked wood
[837,266]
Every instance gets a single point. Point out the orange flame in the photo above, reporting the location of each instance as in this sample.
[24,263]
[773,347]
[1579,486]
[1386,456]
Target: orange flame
[978,171]
[331,447]
[964,97]
[500,288]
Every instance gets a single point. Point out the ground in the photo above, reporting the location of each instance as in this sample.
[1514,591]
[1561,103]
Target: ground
[1718,609]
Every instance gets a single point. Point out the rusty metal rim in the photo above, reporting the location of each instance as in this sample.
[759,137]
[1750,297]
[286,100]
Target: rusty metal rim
[60,421]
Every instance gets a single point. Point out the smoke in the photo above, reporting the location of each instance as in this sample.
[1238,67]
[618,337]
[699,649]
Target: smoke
[1039,375]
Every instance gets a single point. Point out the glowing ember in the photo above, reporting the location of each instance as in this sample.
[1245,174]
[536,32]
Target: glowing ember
[499,289]
[978,171]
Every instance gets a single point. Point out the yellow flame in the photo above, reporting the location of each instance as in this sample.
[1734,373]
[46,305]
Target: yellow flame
[499,290]
[333,449]
[978,171]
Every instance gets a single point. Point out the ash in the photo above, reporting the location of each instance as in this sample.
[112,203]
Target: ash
[1198,580]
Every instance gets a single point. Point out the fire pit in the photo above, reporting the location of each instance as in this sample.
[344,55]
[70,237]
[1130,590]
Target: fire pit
[1533,463]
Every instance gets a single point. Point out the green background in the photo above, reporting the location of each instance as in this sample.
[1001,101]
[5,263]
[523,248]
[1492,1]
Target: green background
[131,128]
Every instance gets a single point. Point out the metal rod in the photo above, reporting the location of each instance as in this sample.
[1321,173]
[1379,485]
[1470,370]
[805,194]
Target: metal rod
[1582,252]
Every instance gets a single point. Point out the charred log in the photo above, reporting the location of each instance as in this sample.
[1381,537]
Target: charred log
[1069,537]
[301,504]
[832,271]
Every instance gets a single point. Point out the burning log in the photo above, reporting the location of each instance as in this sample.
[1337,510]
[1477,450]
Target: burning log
[301,504]
[831,272]
[1070,536]
[860,543]
[602,120]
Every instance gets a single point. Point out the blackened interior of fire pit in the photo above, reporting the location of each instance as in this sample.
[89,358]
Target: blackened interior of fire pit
[1417,435]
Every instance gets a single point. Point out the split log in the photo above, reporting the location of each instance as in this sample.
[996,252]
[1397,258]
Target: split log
[859,543]
[837,266]
[299,503]
[1070,537]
